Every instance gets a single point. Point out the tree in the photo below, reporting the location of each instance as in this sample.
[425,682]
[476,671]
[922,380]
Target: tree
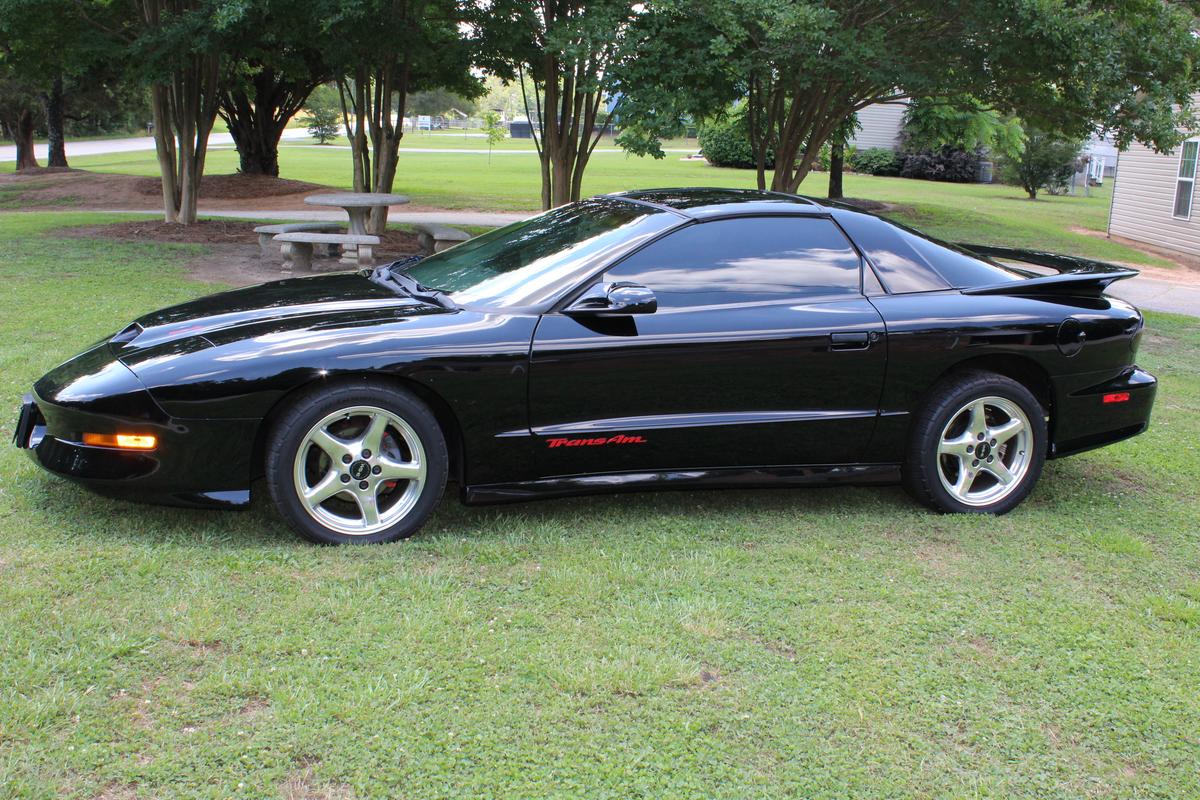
[324,118]
[381,50]
[494,131]
[566,49]
[50,49]
[837,154]
[276,62]
[503,96]
[1047,161]
[17,116]
[804,67]
[439,101]
[176,48]
[963,123]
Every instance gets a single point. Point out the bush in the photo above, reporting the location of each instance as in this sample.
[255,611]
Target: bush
[875,161]
[1046,163]
[726,143]
[945,164]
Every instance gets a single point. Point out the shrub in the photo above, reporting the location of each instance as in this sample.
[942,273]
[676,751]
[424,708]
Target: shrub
[875,161]
[1047,162]
[726,143]
[945,164]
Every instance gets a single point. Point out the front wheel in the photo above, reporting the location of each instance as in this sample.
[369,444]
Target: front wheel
[362,462]
[978,445]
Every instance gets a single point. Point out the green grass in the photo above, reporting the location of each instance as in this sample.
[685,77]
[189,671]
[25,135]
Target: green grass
[989,214]
[819,644]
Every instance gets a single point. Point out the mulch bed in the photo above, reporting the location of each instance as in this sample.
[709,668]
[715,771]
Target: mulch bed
[206,231]
[209,231]
[235,187]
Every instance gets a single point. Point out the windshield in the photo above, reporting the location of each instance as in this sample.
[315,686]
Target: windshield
[530,262]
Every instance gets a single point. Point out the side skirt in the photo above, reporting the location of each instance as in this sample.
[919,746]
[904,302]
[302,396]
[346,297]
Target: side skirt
[733,478]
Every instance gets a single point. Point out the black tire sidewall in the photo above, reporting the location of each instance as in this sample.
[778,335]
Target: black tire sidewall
[293,426]
[921,468]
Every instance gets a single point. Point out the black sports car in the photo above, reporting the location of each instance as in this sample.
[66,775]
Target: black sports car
[666,338]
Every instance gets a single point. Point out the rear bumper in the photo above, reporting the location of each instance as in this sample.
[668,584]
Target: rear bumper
[1103,413]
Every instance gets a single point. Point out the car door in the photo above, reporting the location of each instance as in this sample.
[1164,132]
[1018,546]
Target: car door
[762,351]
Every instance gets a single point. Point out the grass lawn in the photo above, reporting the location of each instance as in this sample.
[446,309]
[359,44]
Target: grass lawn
[806,643]
[988,214]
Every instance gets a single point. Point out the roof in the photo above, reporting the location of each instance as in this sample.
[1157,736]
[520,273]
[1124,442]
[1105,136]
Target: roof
[706,203]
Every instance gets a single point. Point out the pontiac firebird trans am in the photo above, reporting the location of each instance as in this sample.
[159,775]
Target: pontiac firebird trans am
[664,338]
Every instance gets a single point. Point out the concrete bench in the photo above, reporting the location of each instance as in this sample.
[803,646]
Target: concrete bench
[298,247]
[436,238]
[267,233]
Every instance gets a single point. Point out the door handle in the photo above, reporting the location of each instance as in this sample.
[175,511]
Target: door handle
[852,340]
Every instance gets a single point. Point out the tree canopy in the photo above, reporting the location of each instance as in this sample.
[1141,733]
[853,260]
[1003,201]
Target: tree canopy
[805,66]
[562,53]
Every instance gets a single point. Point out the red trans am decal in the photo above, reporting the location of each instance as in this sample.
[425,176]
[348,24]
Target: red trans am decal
[620,438]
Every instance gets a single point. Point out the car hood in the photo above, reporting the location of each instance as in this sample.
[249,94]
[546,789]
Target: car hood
[338,296]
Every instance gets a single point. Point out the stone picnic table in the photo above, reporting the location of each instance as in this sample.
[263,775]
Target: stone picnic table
[358,207]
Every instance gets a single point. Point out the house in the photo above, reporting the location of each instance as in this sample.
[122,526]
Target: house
[1101,152]
[1154,199]
[880,126]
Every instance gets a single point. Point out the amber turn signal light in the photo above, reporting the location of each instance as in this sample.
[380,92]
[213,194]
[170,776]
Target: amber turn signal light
[124,441]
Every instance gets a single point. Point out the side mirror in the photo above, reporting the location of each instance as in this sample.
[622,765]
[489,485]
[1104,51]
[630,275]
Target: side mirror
[614,299]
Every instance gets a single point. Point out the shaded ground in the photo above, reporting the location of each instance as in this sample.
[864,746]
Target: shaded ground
[231,254]
[44,189]
[55,188]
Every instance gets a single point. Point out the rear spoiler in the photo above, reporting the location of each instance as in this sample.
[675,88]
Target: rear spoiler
[1076,276]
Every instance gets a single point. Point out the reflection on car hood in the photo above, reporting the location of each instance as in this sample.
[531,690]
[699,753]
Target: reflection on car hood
[339,296]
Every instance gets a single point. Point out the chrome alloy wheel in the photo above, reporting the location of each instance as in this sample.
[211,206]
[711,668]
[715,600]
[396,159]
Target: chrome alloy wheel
[359,470]
[985,451]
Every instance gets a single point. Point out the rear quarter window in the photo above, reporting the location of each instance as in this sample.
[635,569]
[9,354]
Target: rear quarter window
[908,261]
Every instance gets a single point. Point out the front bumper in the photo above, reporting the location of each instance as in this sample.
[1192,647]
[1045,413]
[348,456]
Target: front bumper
[1085,420]
[197,462]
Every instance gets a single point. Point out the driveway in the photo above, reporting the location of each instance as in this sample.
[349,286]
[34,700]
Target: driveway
[1159,295]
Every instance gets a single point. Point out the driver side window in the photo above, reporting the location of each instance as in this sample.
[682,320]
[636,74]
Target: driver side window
[745,260]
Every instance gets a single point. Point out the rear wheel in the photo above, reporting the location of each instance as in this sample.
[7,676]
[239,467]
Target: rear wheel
[362,462]
[978,445]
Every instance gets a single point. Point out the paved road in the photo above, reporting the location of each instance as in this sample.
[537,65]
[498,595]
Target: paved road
[1156,295]
[219,141]
[131,144]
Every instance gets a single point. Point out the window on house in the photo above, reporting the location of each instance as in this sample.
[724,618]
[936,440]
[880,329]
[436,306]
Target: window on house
[1185,183]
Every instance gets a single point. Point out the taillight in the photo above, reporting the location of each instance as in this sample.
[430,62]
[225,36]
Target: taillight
[1116,397]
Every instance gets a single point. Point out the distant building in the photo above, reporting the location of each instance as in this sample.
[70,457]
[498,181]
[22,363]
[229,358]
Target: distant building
[1155,199]
[1102,157]
[880,126]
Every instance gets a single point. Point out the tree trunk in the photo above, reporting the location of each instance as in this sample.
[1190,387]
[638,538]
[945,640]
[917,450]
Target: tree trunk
[184,108]
[367,112]
[23,137]
[836,154]
[257,144]
[53,101]
[256,121]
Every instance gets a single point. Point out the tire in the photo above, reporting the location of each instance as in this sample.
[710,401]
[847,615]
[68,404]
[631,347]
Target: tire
[370,456]
[961,462]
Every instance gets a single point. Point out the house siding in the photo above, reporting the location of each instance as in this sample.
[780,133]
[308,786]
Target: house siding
[1144,198]
[880,126]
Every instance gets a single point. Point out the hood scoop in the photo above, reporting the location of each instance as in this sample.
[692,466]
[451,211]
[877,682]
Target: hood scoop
[338,296]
